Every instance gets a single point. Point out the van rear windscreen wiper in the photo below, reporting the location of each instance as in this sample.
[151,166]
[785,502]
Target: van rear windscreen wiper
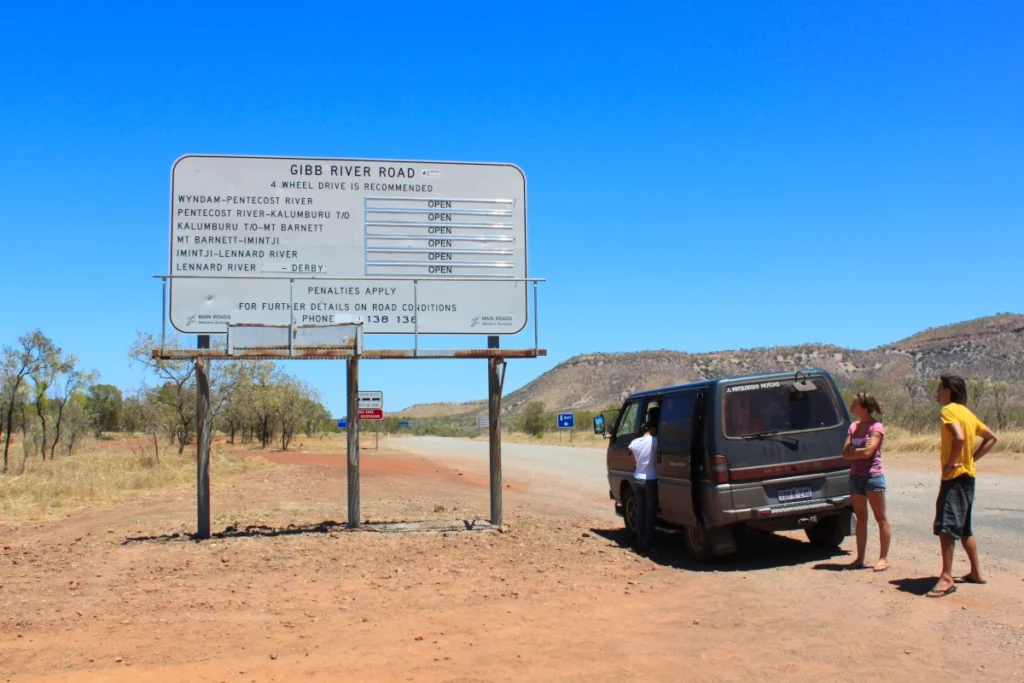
[760,435]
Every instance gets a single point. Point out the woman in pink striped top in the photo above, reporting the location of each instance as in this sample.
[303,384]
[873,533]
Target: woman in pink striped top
[867,481]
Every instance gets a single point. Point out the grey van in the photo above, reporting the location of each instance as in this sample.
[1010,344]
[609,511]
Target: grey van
[762,451]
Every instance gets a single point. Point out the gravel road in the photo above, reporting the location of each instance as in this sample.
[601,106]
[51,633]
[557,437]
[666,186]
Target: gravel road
[555,472]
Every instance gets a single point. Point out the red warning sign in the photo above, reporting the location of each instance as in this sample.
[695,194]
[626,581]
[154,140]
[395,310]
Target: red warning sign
[371,414]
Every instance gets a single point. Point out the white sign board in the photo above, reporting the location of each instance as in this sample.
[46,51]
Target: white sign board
[257,239]
[371,400]
[483,421]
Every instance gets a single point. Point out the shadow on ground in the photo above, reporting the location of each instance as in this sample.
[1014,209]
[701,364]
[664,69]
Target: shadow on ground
[325,527]
[917,586]
[756,551]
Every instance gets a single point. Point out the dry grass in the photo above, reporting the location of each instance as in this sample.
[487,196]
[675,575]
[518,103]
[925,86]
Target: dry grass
[583,439]
[331,443]
[106,476]
[904,441]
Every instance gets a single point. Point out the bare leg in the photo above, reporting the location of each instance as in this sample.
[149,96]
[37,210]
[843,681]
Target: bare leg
[945,582]
[860,509]
[971,546]
[877,500]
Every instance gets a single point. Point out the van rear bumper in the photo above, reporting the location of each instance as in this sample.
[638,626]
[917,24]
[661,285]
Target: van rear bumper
[802,509]
[745,501]
[834,492]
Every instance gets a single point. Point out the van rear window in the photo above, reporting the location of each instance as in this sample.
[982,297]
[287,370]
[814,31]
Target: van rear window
[775,407]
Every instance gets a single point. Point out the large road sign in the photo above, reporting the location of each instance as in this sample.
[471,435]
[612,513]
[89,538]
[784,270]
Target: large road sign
[566,421]
[371,399]
[403,425]
[279,219]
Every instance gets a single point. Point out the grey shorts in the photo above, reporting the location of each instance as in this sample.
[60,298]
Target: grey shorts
[860,485]
[953,507]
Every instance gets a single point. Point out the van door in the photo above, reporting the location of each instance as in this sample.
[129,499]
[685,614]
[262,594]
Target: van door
[620,459]
[678,435]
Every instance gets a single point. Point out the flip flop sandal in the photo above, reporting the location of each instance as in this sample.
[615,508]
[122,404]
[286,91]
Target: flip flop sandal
[880,569]
[967,578]
[941,594]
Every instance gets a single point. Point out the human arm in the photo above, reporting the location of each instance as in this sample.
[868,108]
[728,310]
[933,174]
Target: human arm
[866,452]
[846,448]
[956,449]
[988,440]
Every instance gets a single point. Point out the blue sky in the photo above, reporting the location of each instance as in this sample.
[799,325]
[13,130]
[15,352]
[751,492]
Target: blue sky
[701,175]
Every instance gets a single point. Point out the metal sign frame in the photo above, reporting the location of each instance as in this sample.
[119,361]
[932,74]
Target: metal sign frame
[352,350]
[290,341]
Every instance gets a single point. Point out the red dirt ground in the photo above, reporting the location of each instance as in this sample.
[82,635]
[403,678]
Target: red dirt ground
[115,596]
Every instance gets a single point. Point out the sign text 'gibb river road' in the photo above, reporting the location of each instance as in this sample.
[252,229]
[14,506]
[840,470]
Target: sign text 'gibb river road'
[243,227]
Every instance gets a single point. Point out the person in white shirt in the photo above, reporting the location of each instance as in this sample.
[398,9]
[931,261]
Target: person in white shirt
[645,484]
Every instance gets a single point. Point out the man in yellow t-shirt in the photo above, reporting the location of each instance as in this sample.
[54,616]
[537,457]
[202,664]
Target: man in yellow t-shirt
[960,429]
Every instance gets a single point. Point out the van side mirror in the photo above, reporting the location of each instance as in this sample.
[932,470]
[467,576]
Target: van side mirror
[599,425]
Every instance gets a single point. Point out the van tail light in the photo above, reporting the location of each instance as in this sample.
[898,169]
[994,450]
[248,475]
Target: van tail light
[720,470]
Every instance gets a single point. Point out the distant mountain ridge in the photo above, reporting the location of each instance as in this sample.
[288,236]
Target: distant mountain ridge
[991,347]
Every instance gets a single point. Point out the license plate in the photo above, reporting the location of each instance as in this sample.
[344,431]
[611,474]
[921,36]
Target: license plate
[799,493]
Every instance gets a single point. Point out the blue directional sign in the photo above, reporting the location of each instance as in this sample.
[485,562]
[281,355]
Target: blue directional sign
[566,421]
[403,425]
[342,423]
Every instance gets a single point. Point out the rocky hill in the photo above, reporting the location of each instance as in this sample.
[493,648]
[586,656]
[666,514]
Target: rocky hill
[428,410]
[988,347]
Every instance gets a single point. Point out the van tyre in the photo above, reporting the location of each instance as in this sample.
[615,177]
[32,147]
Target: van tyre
[698,542]
[827,533]
[629,512]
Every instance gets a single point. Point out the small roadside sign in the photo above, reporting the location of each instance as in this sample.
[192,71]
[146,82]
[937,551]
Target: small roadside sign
[483,421]
[566,421]
[371,414]
[342,423]
[403,425]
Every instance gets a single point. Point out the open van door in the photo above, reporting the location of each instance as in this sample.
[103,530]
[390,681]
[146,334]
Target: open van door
[679,442]
[619,457]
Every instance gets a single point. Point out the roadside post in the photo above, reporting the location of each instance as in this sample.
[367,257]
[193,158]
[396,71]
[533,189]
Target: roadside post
[495,382]
[352,466]
[300,258]
[204,434]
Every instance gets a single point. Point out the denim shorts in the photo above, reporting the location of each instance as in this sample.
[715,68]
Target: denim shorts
[860,485]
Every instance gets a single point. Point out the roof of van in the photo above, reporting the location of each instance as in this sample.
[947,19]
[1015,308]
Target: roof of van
[703,384]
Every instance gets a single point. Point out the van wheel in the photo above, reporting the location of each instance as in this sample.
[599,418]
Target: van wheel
[629,512]
[827,533]
[698,543]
